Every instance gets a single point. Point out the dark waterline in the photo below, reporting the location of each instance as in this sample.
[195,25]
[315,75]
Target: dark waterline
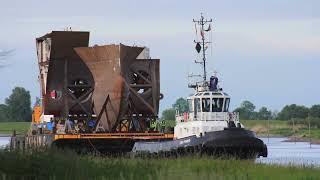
[279,152]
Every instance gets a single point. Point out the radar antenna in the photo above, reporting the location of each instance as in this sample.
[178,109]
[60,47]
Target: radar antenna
[202,45]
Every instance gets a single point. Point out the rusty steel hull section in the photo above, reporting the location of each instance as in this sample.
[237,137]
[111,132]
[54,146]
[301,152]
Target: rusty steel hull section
[104,64]
[62,73]
[118,84]
[126,88]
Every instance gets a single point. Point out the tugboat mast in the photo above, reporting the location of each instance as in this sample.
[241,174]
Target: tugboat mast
[201,44]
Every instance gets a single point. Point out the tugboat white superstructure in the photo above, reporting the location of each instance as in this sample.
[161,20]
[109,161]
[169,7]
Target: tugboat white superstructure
[208,111]
[208,126]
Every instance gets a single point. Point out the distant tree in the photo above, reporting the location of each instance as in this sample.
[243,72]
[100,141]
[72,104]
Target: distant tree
[37,102]
[314,111]
[181,104]
[247,105]
[246,110]
[19,105]
[274,114]
[293,111]
[168,114]
[3,113]
[264,114]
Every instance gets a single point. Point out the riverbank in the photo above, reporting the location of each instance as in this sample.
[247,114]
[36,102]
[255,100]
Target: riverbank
[278,128]
[6,128]
[68,165]
[263,128]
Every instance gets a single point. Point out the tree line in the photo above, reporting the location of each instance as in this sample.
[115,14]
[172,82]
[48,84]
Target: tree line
[17,106]
[247,111]
[288,112]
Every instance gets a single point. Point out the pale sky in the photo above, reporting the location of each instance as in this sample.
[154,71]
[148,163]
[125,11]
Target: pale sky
[266,52]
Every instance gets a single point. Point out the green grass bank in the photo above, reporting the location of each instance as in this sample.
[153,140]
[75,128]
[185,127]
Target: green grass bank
[68,165]
[6,128]
[283,128]
[279,128]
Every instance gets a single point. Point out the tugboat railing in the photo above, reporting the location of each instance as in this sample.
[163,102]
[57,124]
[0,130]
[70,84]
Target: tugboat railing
[208,116]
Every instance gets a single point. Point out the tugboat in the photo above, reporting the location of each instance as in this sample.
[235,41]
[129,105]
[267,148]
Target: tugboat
[208,127]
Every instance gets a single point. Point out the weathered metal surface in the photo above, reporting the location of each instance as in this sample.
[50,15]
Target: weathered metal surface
[104,64]
[118,83]
[34,142]
[126,88]
[59,63]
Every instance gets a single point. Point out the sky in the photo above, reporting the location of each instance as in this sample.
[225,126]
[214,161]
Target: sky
[267,52]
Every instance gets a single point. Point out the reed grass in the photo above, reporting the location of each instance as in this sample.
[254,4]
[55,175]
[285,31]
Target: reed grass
[57,164]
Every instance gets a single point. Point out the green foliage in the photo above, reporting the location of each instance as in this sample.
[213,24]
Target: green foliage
[286,128]
[181,104]
[246,110]
[249,106]
[17,106]
[314,111]
[169,114]
[57,164]
[3,112]
[293,111]
[37,102]
[264,114]
[314,122]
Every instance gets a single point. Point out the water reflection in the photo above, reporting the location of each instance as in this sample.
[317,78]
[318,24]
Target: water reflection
[294,153]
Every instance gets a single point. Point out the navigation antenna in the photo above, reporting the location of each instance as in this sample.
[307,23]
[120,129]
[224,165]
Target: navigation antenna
[202,45]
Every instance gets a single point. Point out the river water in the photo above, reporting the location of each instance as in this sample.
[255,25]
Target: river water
[294,153]
[4,141]
[279,152]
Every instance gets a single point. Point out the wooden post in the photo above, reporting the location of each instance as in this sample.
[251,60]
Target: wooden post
[268,128]
[65,89]
[293,130]
[309,132]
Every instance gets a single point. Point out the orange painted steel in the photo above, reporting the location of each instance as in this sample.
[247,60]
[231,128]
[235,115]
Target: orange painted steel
[37,110]
[141,136]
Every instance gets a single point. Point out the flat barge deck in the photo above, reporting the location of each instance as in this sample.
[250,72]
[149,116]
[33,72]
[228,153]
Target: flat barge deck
[101,142]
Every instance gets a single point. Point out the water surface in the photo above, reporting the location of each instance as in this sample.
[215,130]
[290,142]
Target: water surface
[4,141]
[294,153]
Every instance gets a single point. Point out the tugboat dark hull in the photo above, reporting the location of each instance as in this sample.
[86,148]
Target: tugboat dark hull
[230,142]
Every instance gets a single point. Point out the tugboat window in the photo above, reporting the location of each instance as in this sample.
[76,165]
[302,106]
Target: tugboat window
[190,107]
[197,105]
[226,106]
[205,104]
[217,104]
